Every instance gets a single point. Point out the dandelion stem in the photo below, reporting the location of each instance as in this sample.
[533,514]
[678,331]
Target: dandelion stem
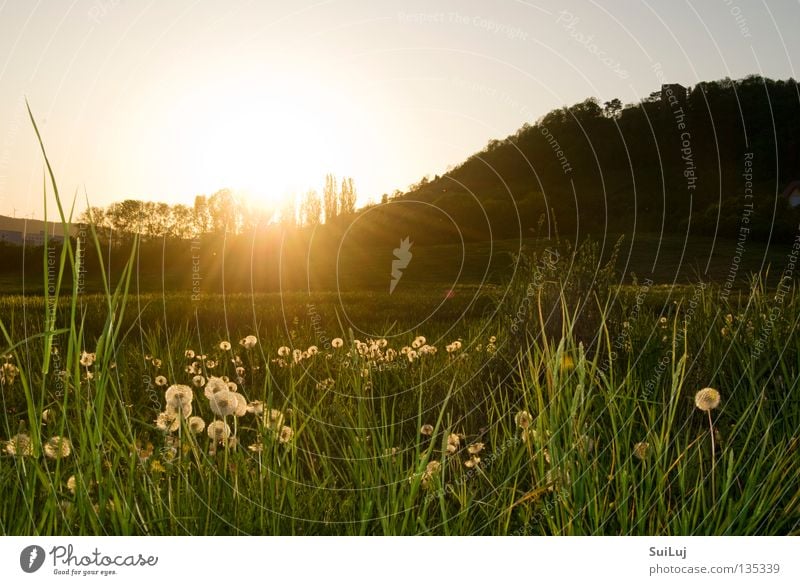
[711,431]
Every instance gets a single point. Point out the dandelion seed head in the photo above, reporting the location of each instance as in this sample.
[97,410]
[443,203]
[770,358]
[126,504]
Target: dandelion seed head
[255,407]
[19,446]
[707,399]
[337,343]
[475,448]
[273,419]
[426,429]
[57,447]
[224,403]
[523,419]
[196,425]
[472,462]
[249,342]
[219,431]
[641,449]
[214,386]
[285,435]
[225,345]
[179,394]
[241,404]
[167,421]
[433,467]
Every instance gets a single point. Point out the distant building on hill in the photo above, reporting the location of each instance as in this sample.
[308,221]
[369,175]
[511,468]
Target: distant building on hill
[670,92]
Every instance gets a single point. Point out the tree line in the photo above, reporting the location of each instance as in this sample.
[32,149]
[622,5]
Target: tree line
[223,212]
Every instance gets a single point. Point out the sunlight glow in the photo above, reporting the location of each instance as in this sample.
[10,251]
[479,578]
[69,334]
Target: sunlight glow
[263,142]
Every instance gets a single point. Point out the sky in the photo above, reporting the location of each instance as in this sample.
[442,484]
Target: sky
[169,99]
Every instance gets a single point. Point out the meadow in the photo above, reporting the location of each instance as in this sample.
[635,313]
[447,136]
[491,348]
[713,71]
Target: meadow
[555,403]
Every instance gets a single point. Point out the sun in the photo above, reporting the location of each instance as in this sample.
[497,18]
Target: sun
[268,143]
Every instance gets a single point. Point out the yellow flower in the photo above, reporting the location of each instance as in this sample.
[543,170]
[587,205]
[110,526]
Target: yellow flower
[707,399]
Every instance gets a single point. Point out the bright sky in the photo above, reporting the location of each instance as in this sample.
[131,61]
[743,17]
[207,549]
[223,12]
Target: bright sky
[164,100]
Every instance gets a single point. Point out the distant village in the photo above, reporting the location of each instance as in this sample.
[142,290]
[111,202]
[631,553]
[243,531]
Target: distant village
[30,232]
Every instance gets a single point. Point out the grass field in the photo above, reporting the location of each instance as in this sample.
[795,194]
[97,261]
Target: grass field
[555,403]
[566,399]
